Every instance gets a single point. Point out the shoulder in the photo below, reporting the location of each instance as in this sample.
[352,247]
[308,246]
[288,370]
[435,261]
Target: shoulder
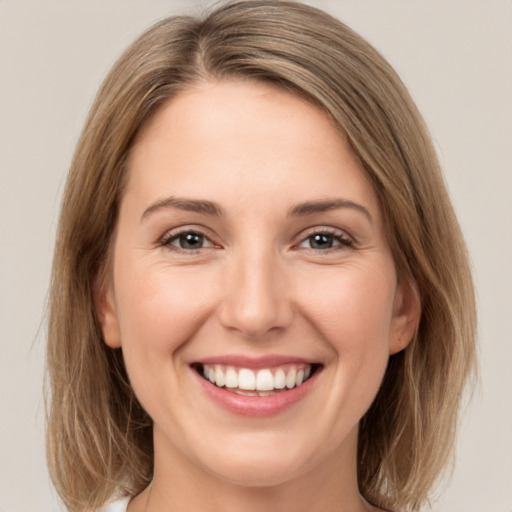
[119,505]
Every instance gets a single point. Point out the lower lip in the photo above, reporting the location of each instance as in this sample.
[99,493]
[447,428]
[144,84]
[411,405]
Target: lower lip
[256,406]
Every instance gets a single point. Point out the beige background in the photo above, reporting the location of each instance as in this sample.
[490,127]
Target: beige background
[456,58]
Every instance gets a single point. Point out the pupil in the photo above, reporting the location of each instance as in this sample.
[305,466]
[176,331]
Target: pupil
[321,242]
[191,241]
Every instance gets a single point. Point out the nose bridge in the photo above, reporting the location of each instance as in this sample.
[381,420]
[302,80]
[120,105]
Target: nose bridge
[256,296]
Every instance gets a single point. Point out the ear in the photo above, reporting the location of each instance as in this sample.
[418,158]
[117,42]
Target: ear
[104,304]
[406,315]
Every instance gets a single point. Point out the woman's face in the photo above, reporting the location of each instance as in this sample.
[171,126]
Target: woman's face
[250,256]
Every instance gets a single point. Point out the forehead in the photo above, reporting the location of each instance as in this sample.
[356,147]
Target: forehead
[244,109]
[253,138]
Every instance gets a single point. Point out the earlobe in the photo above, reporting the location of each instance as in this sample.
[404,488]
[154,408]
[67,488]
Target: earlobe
[104,304]
[406,315]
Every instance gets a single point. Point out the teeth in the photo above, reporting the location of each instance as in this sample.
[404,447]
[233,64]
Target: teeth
[231,378]
[258,382]
[219,377]
[264,380]
[279,379]
[291,378]
[246,379]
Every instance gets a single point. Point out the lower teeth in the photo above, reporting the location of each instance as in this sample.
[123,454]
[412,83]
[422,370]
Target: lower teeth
[245,392]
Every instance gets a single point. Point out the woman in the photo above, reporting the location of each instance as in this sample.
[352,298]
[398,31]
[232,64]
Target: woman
[261,296]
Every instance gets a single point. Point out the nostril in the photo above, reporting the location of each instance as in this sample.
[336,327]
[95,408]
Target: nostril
[256,304]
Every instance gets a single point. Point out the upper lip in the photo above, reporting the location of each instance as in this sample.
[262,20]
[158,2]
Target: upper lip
[244,361]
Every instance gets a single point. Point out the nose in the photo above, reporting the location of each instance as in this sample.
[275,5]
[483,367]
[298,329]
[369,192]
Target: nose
[256,298]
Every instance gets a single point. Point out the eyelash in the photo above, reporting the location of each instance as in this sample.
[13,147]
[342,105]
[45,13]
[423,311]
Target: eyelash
[344,242]
[169,238]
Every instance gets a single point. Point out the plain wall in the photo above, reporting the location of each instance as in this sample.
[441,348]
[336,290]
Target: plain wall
[456,58]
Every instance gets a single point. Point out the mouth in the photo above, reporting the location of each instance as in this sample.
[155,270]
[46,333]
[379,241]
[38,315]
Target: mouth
[260,382]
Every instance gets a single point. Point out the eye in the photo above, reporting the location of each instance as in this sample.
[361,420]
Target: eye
[325,240]
[187,241]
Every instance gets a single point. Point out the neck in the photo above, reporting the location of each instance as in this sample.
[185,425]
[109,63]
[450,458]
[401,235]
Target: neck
[180,485]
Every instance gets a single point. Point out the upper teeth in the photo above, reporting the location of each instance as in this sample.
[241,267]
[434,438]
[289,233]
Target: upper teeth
[266,379]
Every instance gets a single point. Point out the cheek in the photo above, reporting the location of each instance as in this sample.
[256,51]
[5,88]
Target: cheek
[352,309]
[351,306]
[159,309]
[159,305]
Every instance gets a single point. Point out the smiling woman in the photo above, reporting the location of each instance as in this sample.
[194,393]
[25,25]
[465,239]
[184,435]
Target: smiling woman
[236,328]
[254,234]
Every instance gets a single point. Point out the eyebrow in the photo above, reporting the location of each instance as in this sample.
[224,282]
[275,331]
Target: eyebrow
[312,207]
[189,205]
[210,208]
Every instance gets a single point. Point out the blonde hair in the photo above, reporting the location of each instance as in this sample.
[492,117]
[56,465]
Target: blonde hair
[99,437]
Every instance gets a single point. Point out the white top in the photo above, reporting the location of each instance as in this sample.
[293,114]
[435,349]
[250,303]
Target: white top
[117,506]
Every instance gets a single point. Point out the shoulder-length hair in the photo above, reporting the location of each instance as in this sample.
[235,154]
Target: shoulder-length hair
[99,438]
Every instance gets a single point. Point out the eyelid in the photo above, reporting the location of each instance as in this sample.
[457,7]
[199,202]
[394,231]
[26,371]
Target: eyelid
[346,240]
[174,241]
[172,234]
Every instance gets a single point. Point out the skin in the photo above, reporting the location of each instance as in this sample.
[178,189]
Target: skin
[256,286]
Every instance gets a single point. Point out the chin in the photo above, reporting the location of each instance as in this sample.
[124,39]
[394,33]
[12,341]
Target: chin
[257,473]
[255,460]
